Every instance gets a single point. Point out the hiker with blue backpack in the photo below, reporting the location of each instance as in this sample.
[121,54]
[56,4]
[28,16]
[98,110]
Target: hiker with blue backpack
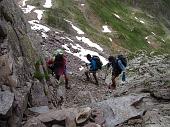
[94,65]
[118,64]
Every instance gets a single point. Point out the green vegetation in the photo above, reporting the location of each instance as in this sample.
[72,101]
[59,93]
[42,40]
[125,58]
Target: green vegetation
[38,74]
[132,27]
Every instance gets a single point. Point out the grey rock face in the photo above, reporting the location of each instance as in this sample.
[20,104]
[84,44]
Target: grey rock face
[37,95]
[6,101]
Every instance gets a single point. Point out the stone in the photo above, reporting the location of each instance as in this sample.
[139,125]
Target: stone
[34,123]
[92,125]
[40,109]
[6,101]
[83,115]
[37,95]
[70,120]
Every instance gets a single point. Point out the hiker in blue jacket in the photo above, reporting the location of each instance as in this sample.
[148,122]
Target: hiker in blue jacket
[118,67]
[93,68]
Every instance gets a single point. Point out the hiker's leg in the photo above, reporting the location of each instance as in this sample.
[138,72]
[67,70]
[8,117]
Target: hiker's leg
[95,77]
[87,75]
[66,81]
[113,82]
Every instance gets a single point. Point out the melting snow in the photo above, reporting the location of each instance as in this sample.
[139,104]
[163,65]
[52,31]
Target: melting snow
[153,33]
[146,37]
[83,52]
[117,16]
[79,31]
[24,3]
[39,14]
[142,22]
[27,9]
[44,35]
[90,43]
[48,4]
[149,42]
[106,29]
[136,18]
[81,68]
[69,39]
[36,26]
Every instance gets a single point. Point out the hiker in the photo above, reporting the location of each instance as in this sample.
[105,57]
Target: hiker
[59,67]
[118,64]
[94,65]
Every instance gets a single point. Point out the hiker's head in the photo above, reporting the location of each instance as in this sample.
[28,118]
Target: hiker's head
[111,58]
[88,57]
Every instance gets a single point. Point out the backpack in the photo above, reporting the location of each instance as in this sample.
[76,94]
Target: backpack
[59,61]
[98,62]
[123,60]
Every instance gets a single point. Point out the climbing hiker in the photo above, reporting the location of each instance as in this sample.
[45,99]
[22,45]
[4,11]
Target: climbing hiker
[118,64]
[94,65]
[59,66]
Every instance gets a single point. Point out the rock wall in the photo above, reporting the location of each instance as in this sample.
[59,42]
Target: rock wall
[17,57]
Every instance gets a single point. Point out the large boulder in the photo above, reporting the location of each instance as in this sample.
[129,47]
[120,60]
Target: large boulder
[37,95]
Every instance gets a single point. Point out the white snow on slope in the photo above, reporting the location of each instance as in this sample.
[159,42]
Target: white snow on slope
[142,22]
[24,3]
[79,31]
[27,9]
[48,4]
[90,43]
[83,52]
[36,26]
[117,16]
[39,14]
[106,29]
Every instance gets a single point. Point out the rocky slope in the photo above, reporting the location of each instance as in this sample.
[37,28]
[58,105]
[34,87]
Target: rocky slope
[142,101]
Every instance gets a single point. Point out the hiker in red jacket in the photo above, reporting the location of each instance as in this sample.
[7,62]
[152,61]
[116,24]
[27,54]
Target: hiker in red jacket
[59,68]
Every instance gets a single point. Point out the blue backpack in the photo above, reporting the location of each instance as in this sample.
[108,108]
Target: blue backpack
[98,62]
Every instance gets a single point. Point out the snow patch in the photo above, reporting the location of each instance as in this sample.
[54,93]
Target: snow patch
[69,39]
[24,3]
[136,18]
[90,43]
[82,4]
[106,29]
[27,9]
[110,39]
[83,52]
[153,33]
[48,4]
[117,16]
[44,35]
[79,31]
[141,21]
[81,68]
[36,26]
[39,14]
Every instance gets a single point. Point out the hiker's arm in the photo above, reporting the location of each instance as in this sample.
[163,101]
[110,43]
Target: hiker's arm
[121,65]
